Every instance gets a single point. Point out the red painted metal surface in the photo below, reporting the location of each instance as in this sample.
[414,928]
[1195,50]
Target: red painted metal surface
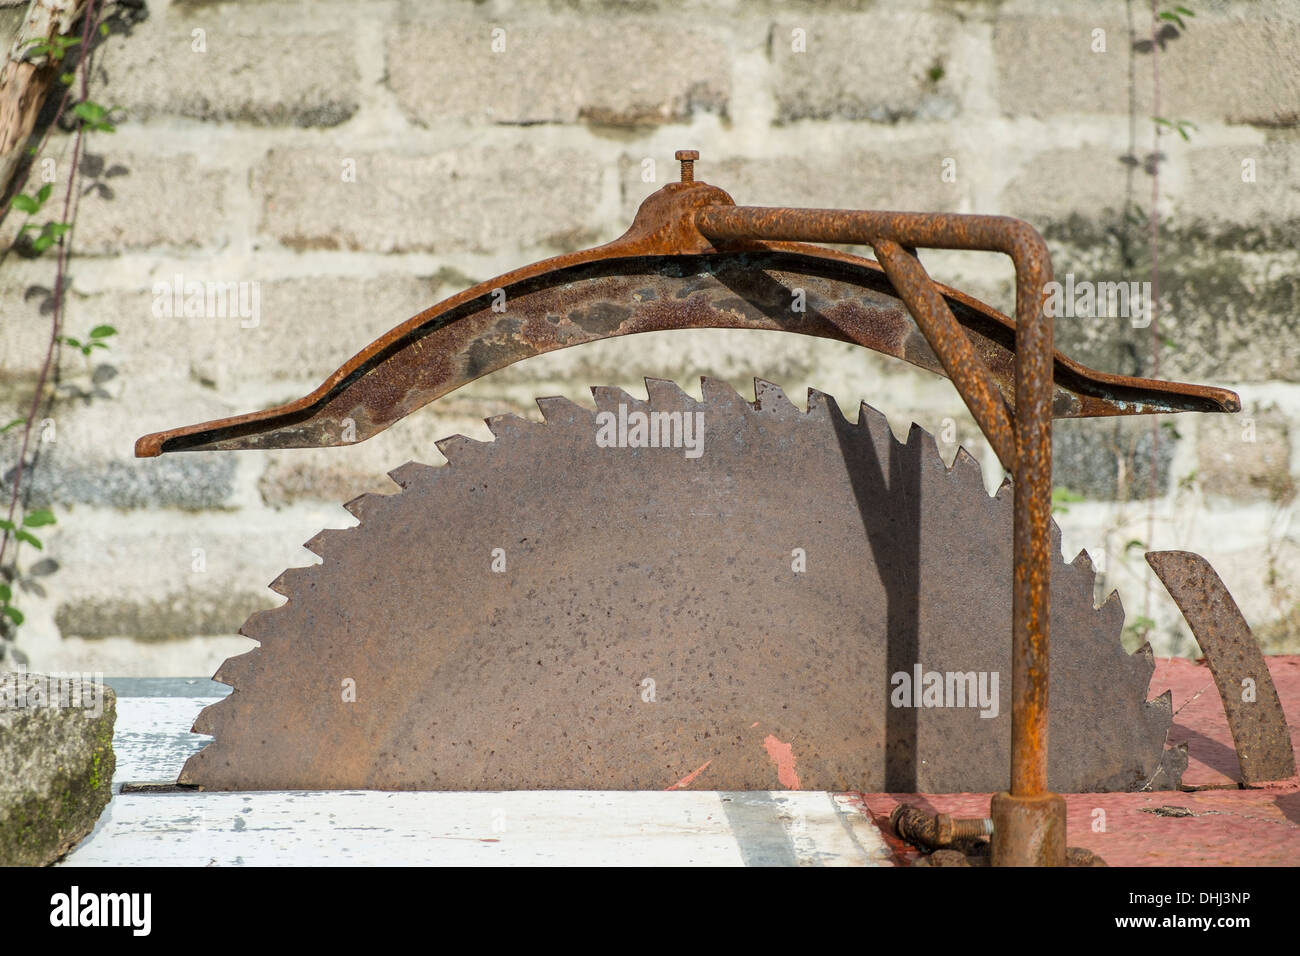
[1229,826]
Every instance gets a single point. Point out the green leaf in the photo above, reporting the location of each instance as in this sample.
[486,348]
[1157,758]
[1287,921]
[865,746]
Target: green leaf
[25,203]
[13,614]
[5,593]
[66,78]
[44,193]
[1185,12]
[35,519]
[43,242]
[30,538]
[1134,543]
[13,424]
[7,525]
[103,29]
[90,112]
[69,340]
[102,331]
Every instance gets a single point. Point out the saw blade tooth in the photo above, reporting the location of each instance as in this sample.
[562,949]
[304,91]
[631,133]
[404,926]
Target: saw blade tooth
[718,393]
[235,669]
[508,425]
[291,579]
[1083,562]
[210,719]
[965,466]
[1113,609]
[367,504]
[260,624]
[665,394]
[823,407]
[1146,654]
[610,397]
[558,410]
[1162,705]
[453,447]
[410,473]
[916,435]
[873,419]
[1005,490]
[322,541]
[770,397]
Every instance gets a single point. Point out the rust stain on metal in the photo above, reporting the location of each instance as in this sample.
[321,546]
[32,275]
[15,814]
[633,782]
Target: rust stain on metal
[1255,717]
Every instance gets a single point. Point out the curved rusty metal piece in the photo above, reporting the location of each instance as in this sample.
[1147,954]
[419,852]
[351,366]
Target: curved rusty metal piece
[1250,701]
[664,273]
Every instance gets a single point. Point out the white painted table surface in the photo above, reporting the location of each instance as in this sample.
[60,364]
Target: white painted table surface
[512,828]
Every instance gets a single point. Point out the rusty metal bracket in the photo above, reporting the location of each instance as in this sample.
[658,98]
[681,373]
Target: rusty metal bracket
[693,259]
[1255,716]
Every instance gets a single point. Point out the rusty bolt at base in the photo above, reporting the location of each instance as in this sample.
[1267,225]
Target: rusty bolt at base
[940,830]
[687,158]
[1029,830]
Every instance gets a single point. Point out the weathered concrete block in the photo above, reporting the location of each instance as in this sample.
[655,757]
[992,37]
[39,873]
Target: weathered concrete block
[1246,456]
[1055,63]
[1057,184]
[624,71]
[1221,69]
[881,66]
[467,199]
[1249,194]
[1235,71]
[156,200]
[56,764]
[245,67]
[249,332]
[180,615]
[65,476]
[1110,459]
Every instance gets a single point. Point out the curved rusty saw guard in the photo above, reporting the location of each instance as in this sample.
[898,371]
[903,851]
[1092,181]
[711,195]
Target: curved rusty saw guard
[1259,731]
[662,274]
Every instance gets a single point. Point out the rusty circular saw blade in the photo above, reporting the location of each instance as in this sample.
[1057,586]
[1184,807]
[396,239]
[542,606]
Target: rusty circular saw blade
[544,612]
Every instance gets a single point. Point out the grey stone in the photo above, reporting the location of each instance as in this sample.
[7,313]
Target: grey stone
[624,71]
[192,482]
[157,200]
[475,199]
[1246,456]
[56,764]
[178,615]
[305,328]
[1218,70]
[1110,459]
[247,73]
[880,66]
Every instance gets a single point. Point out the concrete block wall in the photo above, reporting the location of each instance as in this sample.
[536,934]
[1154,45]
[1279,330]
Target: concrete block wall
[359,161]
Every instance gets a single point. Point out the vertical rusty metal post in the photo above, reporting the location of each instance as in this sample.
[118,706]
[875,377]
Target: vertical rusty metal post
[1028,820]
